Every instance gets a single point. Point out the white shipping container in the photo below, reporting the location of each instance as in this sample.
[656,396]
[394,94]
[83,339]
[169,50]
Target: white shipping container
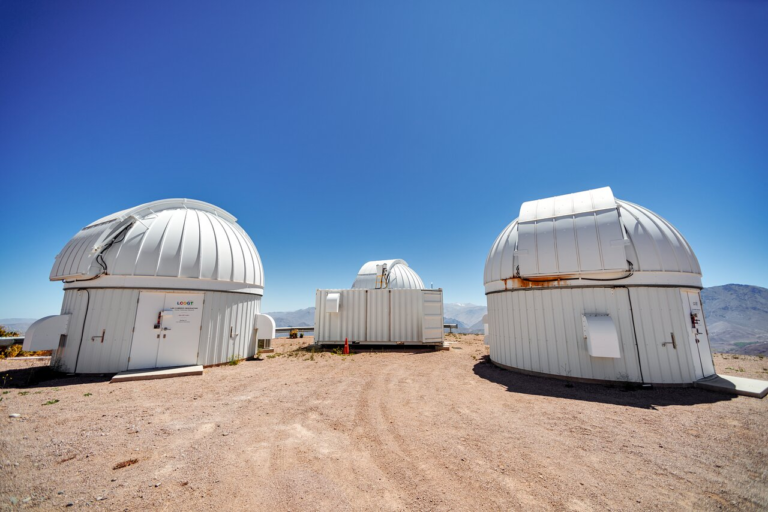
[380,317]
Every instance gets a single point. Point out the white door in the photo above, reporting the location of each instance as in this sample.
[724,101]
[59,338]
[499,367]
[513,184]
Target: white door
[432,325]
[181,329]
[698,338]
[167,330]
[147,331]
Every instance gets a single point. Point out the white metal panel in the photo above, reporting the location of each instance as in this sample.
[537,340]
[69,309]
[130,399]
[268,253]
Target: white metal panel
[546,252]
[149,256]
[148,331]
[332,302]
[602,338]
[189,265]
[569,204]
[590,236]
[586,238]
[380,317]
[46,333]
[106,339]
[540,330]
[181,334]
[265,325]
[227,326]
[658,245]
[74,304]
[171,238]
[432,310]
[659,319]
[526,249]
[698,337]
[169,263]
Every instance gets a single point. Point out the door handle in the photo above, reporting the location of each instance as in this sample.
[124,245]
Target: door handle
[673,342]
[103,332]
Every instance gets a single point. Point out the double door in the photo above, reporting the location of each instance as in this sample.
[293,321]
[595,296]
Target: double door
[167,330]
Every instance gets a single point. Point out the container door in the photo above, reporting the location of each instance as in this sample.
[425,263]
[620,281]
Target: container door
[180,336]
[147,331]
[697,334]
[433,317]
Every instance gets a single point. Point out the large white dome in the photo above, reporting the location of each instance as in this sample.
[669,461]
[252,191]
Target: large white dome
[173,243]
[589,239]
[400,276]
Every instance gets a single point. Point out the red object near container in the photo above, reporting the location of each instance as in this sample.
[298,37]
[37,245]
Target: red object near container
[346,346]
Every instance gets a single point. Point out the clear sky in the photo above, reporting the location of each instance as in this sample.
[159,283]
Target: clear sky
[340,132]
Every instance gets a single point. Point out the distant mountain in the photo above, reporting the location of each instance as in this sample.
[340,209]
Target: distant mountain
[19,325]
[737,318]
[300,318]
[466,313]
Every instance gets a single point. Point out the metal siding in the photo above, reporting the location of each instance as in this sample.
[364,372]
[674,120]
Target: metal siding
[222,311]
[657,314]
[74,304]
[540,331]
[377,316]
[112,311]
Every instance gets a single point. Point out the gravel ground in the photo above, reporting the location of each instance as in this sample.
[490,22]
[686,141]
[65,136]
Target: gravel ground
[392,430]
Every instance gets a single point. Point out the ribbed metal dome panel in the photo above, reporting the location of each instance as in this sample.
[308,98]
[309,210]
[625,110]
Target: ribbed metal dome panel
[654,245]
[401,276]
[171,238]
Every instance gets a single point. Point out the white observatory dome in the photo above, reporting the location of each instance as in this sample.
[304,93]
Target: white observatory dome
[589,239]
[172,243]
[398,276]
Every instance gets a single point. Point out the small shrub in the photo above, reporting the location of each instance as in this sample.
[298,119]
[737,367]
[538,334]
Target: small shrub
[23,393]
[88,394]
[51,402]
[234,360]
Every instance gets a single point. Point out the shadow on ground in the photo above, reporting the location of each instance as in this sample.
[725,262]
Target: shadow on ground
[32,376]
[614,394]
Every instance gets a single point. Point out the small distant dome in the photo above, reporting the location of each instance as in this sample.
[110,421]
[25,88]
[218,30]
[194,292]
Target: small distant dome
[399,276]
[164,242]
[588,237]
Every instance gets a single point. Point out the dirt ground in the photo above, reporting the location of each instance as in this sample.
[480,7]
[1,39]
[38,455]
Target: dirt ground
[391,429]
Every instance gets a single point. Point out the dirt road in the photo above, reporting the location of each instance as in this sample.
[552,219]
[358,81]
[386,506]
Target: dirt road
[392,430]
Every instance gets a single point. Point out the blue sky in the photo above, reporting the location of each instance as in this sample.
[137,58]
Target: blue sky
[340,132]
